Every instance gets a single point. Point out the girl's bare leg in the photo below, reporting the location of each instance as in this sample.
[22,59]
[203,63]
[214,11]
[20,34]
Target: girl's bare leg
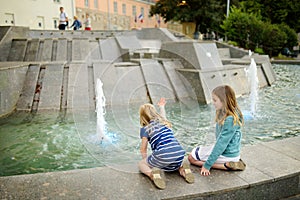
[181,172]
[153,174]
[195,162]
[145,169]
[200,163]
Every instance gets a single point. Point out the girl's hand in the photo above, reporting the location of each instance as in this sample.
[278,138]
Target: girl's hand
[162,102]
[204,171]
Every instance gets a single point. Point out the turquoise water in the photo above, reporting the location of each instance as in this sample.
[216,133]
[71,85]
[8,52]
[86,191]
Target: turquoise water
[54,142]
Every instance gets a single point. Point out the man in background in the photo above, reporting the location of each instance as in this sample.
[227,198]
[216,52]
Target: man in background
[63,19]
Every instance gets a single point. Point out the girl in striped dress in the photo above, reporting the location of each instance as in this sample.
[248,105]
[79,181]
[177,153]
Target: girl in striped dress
[167,153]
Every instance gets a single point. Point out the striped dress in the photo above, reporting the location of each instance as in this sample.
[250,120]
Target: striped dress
[167,153]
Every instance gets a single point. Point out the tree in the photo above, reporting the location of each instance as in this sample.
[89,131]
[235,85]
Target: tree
[276,11]
[243,28]
[292,38]
[249,31]
[274,39]
[206,14]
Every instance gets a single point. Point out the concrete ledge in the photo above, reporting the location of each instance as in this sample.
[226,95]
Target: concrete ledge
[290,62]
[273,172]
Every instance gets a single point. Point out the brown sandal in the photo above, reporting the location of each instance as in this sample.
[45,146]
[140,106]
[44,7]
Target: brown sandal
[235,166]
[157,179]
[189,176]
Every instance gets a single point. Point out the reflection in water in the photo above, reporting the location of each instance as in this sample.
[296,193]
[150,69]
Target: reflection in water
[47,143]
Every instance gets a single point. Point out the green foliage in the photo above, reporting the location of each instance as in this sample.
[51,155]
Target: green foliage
[250,32]
[274,39]
[206,14]
[282,57]
[259,50]
[243,28]
[276,12]
[233,43]
[292,38]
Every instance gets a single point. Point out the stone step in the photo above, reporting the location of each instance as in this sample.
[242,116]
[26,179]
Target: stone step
[25,101]
[17,50]
[263,178]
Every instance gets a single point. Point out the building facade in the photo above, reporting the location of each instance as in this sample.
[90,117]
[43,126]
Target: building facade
[118,14]
[104,14]
[35,14]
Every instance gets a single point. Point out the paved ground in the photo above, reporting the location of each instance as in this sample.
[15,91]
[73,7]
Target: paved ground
[273,171]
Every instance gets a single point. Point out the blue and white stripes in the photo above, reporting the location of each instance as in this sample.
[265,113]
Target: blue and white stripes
[167,153]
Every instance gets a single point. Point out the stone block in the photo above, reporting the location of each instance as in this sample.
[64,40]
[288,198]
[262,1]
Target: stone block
[17,50]
[50,96]
[157,81]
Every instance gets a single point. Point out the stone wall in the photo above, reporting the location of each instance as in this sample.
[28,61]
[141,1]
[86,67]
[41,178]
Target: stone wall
[11,85]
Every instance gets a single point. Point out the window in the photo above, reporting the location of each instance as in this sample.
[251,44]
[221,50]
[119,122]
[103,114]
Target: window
[124,9]
[115,7]
[55,23]
[9,19]
[96,3]
[142,11]
[134,11]
[56,1]
[86,3]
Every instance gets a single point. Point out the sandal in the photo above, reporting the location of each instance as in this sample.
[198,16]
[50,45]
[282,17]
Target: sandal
[157,179]
[189,177]
[236,166]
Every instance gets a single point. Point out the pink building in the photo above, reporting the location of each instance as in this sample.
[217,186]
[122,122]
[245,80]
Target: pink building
[118,14]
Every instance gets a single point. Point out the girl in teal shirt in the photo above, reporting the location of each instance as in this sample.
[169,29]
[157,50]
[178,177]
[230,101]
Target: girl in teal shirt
[225,154]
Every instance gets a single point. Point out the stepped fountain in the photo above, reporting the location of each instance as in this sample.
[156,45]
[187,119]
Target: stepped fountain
[87,71]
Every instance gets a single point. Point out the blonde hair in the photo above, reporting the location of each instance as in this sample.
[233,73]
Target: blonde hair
[148,113]
[230,107]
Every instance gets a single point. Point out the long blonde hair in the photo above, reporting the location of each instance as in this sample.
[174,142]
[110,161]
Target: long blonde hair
[230,107]
[148,113]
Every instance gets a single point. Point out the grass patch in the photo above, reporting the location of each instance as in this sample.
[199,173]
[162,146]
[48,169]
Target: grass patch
[282,57]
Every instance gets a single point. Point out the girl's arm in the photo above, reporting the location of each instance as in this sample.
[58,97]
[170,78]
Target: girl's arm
[143,148]
[222,142]
[161,104]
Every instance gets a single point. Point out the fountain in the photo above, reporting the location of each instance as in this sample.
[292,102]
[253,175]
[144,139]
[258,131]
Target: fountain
[253,82]
[184,72]
[100,109]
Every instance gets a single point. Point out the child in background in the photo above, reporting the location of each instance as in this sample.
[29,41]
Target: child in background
[87,23]
[225,154]
[167,153]
[76,24]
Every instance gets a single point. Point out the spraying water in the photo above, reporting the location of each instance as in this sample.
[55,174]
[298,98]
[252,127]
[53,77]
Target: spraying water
[253,82]
[100,109]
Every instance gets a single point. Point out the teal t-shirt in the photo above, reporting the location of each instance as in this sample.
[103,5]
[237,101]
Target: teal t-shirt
[228,141]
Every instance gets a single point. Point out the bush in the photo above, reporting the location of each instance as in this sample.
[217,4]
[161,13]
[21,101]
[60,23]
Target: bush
[250,32]
[243,28]
[259,50]
[292,39]
[235,26]
[233,43]
[273,39]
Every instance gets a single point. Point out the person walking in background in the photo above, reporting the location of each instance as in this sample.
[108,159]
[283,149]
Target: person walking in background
[87,23]
[76,24]
[167,153]
[63,19]
[225,154]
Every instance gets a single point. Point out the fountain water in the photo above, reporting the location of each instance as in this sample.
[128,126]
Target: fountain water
[100,109]
[253,82]
[254,85]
